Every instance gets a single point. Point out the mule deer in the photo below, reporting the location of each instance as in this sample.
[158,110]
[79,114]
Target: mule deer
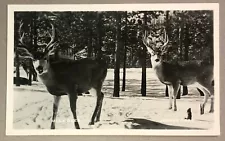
[24,56]
[186,73]
[70,77]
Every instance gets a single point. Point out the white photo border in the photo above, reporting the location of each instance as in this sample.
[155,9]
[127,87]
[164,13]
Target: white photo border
[215,131]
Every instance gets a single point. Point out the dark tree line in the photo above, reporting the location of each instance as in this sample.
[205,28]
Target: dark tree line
[118,35]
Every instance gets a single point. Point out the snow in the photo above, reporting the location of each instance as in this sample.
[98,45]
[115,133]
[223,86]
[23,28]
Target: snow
[33,107]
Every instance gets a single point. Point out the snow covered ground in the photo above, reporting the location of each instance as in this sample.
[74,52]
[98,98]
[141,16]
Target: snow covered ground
[33,107]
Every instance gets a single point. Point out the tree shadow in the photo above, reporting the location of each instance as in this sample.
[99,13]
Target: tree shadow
[139,123]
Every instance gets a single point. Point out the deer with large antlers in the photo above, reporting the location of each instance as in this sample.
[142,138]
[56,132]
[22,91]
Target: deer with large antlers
[71,77]
[24,56]
[186,73]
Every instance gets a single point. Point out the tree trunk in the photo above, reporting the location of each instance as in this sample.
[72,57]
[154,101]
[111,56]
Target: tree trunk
[124,69]
[167,91]
[89,53]
[179,93]
[17,61]
[17,69]
[99,35]
[88,34]
[35,46]
[186,43]
[185,90]
[30,72]
[31,47]
[186,54]
[125,55]
[117,56]
[143,76]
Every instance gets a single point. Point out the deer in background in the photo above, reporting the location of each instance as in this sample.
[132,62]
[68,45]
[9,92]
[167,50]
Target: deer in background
[71,77]
[25,57]
[184,73]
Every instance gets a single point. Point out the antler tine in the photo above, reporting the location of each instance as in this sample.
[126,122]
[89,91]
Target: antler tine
[145,38]
[21,36]
[52,36]
[166,39]
[166,42]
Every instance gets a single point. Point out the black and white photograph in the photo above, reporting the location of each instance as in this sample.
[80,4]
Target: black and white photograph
[113,69]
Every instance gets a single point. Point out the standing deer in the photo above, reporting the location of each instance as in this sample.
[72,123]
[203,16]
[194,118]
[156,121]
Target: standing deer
[25,56]
[71,77]
[186,73]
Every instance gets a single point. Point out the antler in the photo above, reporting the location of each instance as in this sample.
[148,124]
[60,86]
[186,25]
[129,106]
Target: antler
[52,36]
[166,41]
[21,36]
[146,40]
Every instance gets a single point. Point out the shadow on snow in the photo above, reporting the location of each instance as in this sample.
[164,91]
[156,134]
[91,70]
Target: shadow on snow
[139,123]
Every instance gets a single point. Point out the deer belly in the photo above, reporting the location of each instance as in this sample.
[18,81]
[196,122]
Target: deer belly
[56,91]
[82,89]
[188,81]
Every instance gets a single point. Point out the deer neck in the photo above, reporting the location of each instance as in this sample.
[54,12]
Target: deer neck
[46,75]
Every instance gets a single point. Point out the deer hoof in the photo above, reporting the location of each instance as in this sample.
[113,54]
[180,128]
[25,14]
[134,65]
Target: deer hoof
[211,111]
[91,123]
[76,125]
[52,126]
[175,109]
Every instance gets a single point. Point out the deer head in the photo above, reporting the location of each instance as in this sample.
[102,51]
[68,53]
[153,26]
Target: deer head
[49,53]
[156,45]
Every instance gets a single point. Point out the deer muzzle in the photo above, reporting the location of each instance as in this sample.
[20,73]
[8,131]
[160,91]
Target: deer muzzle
[40,69]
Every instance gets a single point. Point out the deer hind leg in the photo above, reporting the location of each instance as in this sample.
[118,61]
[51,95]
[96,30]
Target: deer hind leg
[212,104]
[211,89]
[55,110]
[176,88]
[97,111]
[206,97]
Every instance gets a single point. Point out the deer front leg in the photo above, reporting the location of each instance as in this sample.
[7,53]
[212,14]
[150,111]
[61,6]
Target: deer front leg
[73,104]
[170,96]
[97,110]
[100,109]
[55,110]
[176,88]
